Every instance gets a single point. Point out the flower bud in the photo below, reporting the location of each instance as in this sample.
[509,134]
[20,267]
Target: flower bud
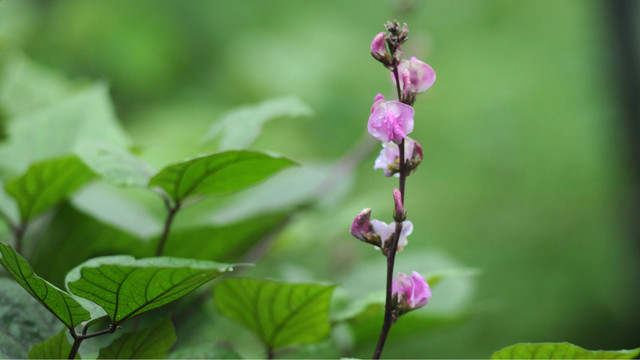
[379,49]
[399,214]
[362,229]
[409,292]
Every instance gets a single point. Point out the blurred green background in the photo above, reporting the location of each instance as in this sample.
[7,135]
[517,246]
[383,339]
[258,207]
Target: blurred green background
[524,176]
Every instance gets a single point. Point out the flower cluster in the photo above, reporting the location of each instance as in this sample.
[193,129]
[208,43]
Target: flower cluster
[391,122]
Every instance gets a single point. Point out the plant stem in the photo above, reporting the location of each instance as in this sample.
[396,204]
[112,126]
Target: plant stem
[18,234]
[391,257]
[270,353]
[74,348]
[173,209]
[78,338]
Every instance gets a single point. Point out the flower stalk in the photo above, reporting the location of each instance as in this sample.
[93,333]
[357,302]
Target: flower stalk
[391,122]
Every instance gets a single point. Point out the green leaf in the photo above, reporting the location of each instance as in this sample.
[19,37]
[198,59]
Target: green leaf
[25,86]
[280,314]
[240,127]
[226,243]
[219,173]
[559,351]
[23,321]
[56,347]
[60,303]
[152,342]
[58,129]
[66,234]
[47,183]
[125,287]
[115,164]
[206,351]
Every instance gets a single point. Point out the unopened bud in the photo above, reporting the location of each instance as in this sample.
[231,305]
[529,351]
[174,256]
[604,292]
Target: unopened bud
[399,214]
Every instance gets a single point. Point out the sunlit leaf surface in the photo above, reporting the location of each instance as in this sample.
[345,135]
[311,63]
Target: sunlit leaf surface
[219,173]
[559,351]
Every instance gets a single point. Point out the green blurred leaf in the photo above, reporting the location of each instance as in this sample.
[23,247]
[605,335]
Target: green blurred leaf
[55,347]
[66,234]
[8,205]
[356,309]
[207,351]
[23,321]
[218,173]
[115,164]
[25,86]
[559,351]
[152,342]
[226,243]
[47,183]
[239,128]
[58,129]
[60,303]
[280,314]
[125,287]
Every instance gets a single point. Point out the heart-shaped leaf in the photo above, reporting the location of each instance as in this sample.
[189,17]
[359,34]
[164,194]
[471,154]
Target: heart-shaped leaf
[60,303]
[560,351]
[56,347]
[280,314]
[125,287]
[152,342]
[47,183]
[218,173]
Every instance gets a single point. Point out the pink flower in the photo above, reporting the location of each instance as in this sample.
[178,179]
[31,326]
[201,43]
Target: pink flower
[379,99]
[416,76]
[390,120]
[361,225]
[412,292]
[389,158]
[362,230]
[386,231]
[378,47]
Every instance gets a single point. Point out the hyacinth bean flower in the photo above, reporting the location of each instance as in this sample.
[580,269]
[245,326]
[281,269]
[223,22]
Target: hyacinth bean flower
[389,158]
[412,292]
[390,120]
[378,47]
[416,76]
[362,229]
[386,232]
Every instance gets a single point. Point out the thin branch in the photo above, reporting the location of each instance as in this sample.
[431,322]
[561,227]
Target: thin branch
[391,257]
[172,210]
